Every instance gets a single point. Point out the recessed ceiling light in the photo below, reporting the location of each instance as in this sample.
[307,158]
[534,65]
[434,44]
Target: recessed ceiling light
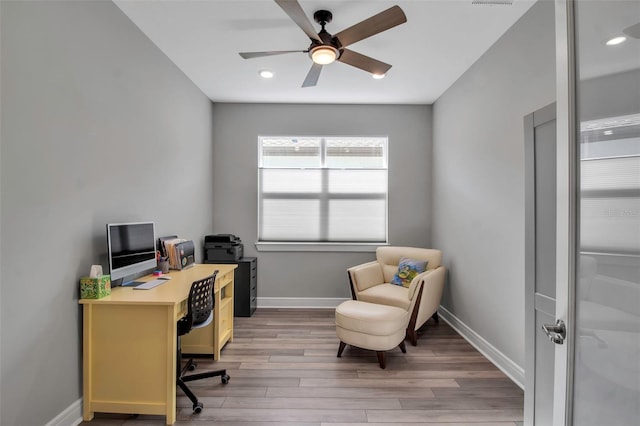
[616,40]
[266,73]
[608,132]
[378,76]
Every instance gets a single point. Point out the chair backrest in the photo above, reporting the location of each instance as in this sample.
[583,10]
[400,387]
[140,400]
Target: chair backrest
[389,258]
[200,304]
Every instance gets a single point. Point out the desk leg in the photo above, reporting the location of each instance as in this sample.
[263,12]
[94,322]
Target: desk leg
[87,412]
[216,324]
[171,367]
[231,289]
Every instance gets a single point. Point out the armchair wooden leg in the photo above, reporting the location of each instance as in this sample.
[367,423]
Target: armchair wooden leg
[412,335]
[381,359]
[341,348]
[403,348]
[435,317]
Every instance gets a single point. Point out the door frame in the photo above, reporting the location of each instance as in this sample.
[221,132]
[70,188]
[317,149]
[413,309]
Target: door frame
[531,121]
[566,208]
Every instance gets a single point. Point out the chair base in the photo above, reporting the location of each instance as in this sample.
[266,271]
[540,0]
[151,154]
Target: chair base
[182,380]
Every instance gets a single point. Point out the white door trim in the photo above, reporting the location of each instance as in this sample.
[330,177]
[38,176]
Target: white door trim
[565,207]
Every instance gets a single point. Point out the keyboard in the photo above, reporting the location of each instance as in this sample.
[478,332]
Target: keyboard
[149,284]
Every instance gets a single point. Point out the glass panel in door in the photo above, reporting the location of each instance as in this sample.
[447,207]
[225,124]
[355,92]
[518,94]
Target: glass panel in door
[606,380]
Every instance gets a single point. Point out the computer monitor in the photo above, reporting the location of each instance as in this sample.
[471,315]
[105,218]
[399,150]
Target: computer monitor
[131,248]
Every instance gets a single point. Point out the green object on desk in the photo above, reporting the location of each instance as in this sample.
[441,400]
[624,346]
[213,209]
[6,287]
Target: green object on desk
[95,288]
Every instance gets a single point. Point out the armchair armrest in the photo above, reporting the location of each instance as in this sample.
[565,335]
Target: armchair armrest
[432,286]
[363,276]
[415,283]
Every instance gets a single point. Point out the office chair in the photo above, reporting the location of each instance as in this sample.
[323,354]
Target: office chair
[199,314]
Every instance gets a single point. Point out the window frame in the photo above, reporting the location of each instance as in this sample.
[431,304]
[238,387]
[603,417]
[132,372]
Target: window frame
[324,196]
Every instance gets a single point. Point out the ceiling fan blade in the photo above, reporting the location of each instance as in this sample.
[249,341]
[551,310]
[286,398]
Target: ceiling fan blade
[295,12]
[633,31]
[312,76]
[372,26]
[363,62]
[250,55]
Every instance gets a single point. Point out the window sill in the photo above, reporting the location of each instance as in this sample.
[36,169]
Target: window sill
[328,247]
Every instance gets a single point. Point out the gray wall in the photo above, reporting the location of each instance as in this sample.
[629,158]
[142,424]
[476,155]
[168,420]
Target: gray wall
[97,126]
[478,178]
[319,274]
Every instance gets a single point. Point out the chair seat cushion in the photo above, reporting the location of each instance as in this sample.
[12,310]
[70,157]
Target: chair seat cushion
[387,294]
[371,319]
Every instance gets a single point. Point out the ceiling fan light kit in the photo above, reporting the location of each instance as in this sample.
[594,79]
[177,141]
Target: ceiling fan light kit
[324,55]
[326,48]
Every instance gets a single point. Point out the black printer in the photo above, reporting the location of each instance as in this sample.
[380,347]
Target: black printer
[222,247]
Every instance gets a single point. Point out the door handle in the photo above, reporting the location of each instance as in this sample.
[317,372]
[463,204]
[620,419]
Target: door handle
[556,332]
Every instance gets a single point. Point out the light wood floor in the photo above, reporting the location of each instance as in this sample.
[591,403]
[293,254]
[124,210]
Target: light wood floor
[284,371]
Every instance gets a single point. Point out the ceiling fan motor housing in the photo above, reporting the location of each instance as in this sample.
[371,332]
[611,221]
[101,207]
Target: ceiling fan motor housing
[323,17]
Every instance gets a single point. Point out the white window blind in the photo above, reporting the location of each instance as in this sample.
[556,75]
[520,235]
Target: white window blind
[322,189]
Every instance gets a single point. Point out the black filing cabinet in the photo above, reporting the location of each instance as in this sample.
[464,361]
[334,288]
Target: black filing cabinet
[245,295]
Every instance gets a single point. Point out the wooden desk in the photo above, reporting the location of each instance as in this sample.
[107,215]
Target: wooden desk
[129,342]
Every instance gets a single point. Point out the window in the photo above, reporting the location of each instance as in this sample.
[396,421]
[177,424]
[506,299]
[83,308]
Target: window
[322,190]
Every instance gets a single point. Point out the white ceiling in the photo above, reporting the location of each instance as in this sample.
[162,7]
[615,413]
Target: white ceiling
[439,41]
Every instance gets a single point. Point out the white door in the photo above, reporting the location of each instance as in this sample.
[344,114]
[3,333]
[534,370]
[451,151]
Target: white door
[597,368]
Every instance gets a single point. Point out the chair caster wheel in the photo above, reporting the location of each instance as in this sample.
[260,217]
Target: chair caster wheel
[225,379]
[192,367]
[197,407]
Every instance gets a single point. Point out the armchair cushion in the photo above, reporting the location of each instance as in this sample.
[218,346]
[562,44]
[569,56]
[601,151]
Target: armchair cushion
[387,294]
[408,269]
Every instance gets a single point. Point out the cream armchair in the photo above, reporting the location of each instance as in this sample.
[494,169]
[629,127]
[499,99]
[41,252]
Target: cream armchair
[370,282]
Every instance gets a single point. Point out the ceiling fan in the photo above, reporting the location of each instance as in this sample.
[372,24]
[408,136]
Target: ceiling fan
[326,48]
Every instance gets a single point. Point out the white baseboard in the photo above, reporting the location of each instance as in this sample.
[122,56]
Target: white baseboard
[299,302]
[71,416]
[500,360]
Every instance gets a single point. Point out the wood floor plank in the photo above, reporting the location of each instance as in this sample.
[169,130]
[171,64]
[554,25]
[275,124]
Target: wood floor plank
[346,358]
[248,382]
[314,365]
[430,424]
[426,416]
[347,392]
[285,372]
[317,373]
[461,403]
[442,374]
[271,415]
[314,403]
[379,383]
[477,392]
[486,382]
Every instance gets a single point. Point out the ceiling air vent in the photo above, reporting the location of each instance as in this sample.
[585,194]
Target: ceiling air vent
[490,2]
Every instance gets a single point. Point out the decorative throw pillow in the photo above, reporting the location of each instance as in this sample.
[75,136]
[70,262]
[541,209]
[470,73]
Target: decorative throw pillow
[407,271]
